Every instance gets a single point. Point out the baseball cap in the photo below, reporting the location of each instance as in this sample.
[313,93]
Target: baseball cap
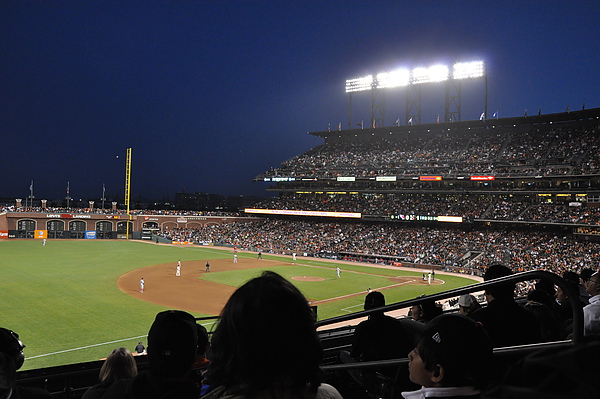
[462,344]
[466,300]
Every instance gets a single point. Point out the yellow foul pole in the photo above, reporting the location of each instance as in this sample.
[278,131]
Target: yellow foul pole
[128,188]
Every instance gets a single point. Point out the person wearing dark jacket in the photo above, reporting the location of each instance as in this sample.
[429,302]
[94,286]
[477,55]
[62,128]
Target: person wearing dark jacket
[506,322]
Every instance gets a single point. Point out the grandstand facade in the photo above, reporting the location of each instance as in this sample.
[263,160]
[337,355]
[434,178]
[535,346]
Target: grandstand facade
[89,224]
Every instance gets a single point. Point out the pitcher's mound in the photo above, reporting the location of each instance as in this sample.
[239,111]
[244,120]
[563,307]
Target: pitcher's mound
[308,278]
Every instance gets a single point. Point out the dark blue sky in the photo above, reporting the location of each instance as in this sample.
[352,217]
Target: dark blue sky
[211,93]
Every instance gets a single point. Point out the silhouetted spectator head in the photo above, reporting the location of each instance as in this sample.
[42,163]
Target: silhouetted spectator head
[374,299]
[11,345]
[546,285]
[119,365]
[586,274]
[540,296]
[563,295]
[265,337]
[453,351]
[500,291]
[203,340]
[172,343]
[571,276]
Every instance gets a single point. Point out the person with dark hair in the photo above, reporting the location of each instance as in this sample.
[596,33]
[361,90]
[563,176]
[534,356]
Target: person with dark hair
[564,308]
[425,311]
[11,348]
[265,345]
[584,295]
[119,365]
[547,286]
[585,275]
[380,337]
[202,361]
[172,347]
[452,359]
[507,323]
[203,345]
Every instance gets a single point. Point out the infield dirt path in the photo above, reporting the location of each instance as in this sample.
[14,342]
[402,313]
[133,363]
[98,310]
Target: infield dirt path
[189,292]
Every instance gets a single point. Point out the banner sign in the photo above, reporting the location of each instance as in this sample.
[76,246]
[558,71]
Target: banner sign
[483,178]
[90,235]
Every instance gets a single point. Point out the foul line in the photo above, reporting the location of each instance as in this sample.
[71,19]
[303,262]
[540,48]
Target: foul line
[94,345]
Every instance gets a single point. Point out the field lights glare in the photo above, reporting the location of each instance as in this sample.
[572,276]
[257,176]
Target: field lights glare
[419,75]
[359,84]
[466,70]
[397,78]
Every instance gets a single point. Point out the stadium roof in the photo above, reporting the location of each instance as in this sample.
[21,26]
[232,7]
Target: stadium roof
[562,118]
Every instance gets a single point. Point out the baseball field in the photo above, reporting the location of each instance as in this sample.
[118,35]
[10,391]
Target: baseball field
[73,301]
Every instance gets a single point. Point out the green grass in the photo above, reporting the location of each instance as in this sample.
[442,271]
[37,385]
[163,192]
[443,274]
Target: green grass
[64,302]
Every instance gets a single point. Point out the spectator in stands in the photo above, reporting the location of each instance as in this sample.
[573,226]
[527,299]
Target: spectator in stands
[202,361]
[452,359]
[585,275]
[379,337]
[265,344]
[425,311]
[545,286]
[591,312]
[12,349]
[119,365]
[467,304]
[203,345]
[565,308]
[550,327]
[172,347]
[506,322]
[570,275]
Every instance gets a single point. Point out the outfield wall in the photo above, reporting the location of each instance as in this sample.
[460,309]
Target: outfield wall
[41,225]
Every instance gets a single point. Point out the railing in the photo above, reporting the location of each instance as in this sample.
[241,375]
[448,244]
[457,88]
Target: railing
[515,278]
[504,352]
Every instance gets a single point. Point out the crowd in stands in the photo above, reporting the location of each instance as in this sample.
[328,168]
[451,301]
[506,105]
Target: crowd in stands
[470,208]
[545,152]
[450,247]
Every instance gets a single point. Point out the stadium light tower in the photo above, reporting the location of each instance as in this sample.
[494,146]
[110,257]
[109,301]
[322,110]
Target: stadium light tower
[413,81]
[460,72]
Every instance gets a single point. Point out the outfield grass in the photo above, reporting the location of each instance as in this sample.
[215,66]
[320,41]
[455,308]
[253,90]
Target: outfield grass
[64,302]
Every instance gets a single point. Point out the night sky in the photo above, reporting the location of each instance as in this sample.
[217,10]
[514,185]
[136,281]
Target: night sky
[209,94]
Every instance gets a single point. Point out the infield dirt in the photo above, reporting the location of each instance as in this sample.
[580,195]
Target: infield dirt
[189,292]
